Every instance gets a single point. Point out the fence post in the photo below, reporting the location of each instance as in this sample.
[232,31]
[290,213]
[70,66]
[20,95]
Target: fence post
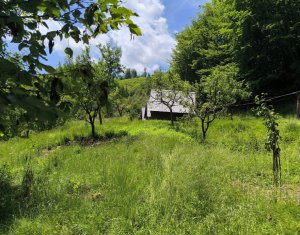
[298,106]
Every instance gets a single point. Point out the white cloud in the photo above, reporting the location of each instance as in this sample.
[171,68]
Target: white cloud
[152,50]
[154,47]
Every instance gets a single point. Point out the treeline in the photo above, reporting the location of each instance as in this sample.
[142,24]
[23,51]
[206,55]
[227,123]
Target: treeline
[132,73]
[260,38]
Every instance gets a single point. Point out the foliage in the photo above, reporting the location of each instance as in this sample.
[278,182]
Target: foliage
[120,99]
[261,38]
[273,137]
[130,73]
[215,94]
[206,43]
[127,74]
[5,191]
[111,57]
[21,23]
[268,45]
[130,95]
[133,73]
[89,90]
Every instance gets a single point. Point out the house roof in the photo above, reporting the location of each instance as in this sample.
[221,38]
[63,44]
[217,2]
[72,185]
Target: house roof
[155,101]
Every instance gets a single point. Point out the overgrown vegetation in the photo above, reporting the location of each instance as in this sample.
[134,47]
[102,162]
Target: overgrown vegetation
[155,179]
[148,177]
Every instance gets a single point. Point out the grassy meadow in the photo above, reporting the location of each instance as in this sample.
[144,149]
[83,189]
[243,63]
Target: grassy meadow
[152,179]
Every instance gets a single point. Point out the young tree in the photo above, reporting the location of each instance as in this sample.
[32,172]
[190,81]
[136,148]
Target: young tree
[215,94]
[273,137]
[120,99]
[167,90]
[88,88]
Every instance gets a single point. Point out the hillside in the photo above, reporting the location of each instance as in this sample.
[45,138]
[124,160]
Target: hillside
[147,178]
[133,84]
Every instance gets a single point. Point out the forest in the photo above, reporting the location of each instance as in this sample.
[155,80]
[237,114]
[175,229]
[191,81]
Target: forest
[77,158]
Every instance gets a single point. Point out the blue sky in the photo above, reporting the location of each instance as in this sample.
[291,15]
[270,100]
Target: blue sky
[159,21]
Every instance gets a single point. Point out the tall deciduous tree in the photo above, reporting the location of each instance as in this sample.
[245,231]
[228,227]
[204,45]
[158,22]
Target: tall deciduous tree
[206,43]
[268,45]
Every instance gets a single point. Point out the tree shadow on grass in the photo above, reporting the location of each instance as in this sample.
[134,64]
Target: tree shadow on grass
[14,199]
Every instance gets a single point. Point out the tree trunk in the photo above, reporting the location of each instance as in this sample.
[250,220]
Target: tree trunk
[203,129]
[93,130]
[92,123]
[120,111]
[276,167]
[298,106]
[100,117]
[172,118]
[27,134]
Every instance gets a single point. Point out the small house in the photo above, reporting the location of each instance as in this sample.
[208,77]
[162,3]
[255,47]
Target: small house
[160,103]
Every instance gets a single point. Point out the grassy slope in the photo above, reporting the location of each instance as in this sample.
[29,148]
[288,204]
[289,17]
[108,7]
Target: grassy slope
[156,181]
[133,84]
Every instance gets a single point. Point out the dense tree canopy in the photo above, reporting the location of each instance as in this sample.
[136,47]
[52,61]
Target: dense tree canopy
[206,43]
[262,38]
[268,47]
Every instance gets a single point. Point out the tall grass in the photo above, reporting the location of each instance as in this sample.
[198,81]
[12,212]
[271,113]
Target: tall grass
[156,180]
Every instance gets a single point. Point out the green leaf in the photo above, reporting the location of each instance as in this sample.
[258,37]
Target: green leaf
[76,13]
[32,25]
[69,51]
[85,38]
[48,68]
[51,44]
[22,45]
[134,29]
[55,12]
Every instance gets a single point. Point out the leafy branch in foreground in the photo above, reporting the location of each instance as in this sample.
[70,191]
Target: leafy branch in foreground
[273,137]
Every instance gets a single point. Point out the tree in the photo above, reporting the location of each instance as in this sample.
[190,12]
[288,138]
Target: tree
[120,99]
[167,90]
[22,21]
[127,73]
[205,44]
[99,73]
[215,94]
[268,45]
[111,57]
[273,137]
[144,75]
[88,89]
[133,73]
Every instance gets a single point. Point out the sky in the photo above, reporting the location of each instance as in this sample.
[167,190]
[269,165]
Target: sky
[159,21]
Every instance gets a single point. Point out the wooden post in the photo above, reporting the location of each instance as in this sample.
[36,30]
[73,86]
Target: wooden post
[298,106]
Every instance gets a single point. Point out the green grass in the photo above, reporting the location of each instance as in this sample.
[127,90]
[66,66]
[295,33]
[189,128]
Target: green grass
[156,180]
[133,84]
